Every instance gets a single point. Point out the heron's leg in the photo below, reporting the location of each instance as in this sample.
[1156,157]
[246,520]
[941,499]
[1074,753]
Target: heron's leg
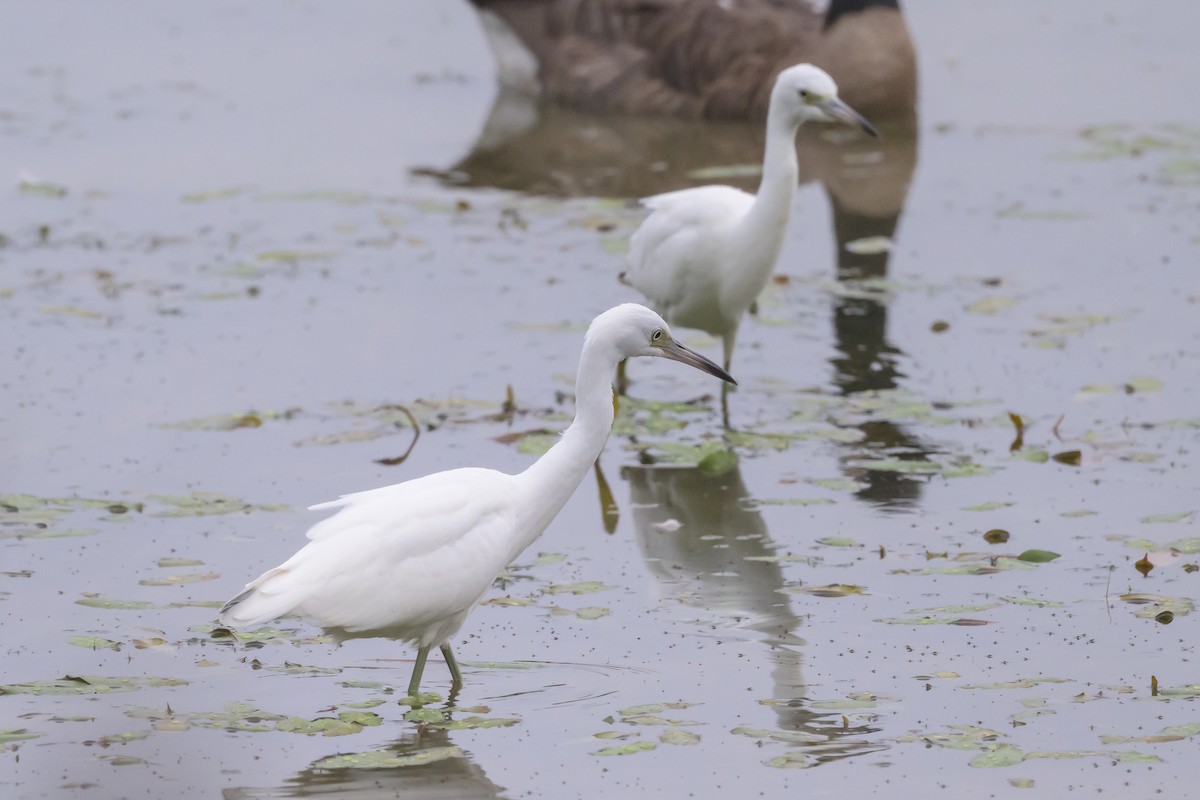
[414,685]
[452,662]
[725,405]
[728,340]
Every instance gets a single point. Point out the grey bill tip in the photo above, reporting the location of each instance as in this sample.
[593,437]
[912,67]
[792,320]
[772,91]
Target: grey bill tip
[835,108]
[677,352]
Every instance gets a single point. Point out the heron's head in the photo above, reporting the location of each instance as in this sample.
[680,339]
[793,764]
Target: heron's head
[808,93]
[635,330]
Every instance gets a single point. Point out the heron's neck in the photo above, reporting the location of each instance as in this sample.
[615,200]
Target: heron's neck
[551,480]
[773,204]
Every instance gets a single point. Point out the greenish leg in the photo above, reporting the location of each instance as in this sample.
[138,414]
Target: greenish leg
[456,681]
[414,685]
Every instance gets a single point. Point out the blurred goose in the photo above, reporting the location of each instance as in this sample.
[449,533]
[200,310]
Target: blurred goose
[714,59]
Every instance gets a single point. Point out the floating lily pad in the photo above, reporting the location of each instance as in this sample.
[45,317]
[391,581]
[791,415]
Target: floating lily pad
[791,737]
[592,612]
[1020,683]
[793,759]
[95,601]
[1032,601]
[1179,516]
[678,736]
[837,541]
[1004,755]
[179,580]
[993,304]
[626,749]
[175,563]
[389,759]
[87,684]
[94,643]
[992,505]
[582,587]
[474,723]
[204,504]
[508,600]
[829,590]
[1153,605]
[1038,556]
[652,708]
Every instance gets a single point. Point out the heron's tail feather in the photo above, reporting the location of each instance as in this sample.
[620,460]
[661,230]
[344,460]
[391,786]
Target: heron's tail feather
[262,601]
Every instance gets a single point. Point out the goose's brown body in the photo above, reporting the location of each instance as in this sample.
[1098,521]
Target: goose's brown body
[714,59]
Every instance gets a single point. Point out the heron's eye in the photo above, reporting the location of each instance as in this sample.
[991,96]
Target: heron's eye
[804,93]
[657,335]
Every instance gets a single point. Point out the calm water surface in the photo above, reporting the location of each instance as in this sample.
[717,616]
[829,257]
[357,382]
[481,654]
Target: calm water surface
[242,242]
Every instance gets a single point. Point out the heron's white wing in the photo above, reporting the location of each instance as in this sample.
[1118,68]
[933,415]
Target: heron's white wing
[673,253]
[401,557]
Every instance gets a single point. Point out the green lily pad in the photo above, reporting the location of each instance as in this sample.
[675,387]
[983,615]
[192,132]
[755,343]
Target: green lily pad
[1167,518]
[87,684]
[992,505]
[106,602]
[793,759]
[175,563]
[626,749]
[1038,556]
[678,736]
[389,759]
[1020,683]
[474,723]
[592,612]
[179,580]
[204,504]
[94,643]
[652,708]
[1004,755]
[837,541]
[582,587]
[915,467]
[791,737]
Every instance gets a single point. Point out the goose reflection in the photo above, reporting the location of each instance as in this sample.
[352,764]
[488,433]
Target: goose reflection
[708,547]
[449,773]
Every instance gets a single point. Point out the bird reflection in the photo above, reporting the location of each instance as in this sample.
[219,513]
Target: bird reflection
[453,774]
[708,547]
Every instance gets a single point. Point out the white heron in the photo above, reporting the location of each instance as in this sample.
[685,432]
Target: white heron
[704,254]
[411,560]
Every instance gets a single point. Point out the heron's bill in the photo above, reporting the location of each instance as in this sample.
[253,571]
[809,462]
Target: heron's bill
[841,112]
[677,352]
